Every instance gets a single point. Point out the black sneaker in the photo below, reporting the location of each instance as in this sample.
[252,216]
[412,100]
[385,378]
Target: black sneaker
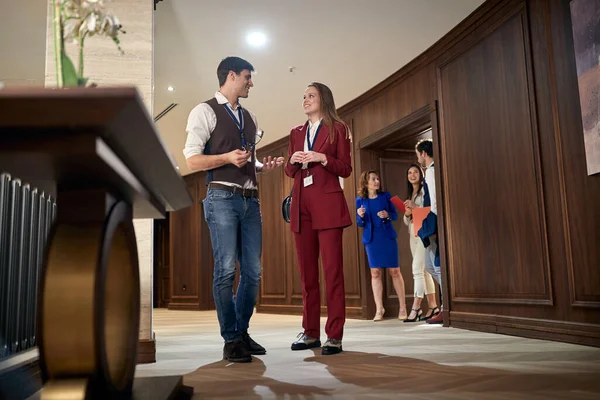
[332,346]
[252,347]
[305,342]
[236,351]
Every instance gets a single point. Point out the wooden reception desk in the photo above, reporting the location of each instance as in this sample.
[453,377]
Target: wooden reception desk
[100,149]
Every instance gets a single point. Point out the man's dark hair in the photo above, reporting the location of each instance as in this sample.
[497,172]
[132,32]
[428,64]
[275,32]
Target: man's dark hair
[234,64]
[425,145]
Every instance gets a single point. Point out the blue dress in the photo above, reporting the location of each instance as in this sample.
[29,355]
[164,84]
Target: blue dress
[382,249]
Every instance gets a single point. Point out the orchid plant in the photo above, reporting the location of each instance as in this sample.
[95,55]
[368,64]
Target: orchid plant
[75,21]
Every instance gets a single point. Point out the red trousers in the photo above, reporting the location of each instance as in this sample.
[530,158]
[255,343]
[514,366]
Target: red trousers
[308,244]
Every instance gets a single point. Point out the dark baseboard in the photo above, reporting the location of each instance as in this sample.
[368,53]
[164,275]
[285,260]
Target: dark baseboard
[146,351]
[559,331]
[351,312]
[187,307]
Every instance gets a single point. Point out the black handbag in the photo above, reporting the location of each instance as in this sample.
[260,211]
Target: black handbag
[285,207]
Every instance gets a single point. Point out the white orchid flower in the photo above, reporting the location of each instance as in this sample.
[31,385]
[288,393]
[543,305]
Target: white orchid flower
[111,26]
[77,19]
[91,22]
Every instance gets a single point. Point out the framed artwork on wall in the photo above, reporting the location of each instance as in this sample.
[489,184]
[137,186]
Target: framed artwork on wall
[585,18]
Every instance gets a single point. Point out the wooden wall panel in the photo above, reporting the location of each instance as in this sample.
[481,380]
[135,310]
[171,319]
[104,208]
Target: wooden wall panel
[406,97]
[162,270]
[274,287]
[493,209]
[352,276]
[184,234]
[191,261]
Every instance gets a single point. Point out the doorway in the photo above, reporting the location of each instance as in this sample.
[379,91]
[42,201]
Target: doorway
[391,152]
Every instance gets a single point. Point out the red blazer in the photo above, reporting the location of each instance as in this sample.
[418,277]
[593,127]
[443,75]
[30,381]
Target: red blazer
[333,208]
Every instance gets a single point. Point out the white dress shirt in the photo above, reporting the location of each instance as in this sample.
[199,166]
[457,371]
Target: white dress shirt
[200,125]
[311,131]
[430,180]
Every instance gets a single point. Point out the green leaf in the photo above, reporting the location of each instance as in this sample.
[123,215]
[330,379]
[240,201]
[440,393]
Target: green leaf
[82,81]
[70,77]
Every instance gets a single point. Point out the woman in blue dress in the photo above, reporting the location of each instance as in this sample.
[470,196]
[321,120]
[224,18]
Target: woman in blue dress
[375,213]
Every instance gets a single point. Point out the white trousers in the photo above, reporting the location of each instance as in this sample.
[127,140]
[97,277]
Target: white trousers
[423,282]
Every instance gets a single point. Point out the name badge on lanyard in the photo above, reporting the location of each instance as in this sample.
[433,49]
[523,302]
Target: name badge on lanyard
[309,178]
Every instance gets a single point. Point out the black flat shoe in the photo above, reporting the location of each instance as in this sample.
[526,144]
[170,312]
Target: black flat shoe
[418,315]
[236,352]
[252,347]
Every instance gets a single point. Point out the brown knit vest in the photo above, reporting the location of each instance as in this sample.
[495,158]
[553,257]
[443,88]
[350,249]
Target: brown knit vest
[225,138]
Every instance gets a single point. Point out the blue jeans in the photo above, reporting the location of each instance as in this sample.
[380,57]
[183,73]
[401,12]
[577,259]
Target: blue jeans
[235,224]
[434,271]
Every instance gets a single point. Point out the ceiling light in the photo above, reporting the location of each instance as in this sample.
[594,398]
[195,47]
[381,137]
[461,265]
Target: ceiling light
[256,39]
[170,88]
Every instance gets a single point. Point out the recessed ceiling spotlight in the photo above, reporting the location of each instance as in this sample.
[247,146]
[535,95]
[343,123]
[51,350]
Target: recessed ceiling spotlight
[170,88]
[256,39]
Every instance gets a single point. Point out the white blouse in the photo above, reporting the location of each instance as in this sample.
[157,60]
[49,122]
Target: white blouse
[419,202]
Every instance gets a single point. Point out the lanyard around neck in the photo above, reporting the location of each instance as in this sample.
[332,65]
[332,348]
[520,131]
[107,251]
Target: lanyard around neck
[239,122]
[312,145]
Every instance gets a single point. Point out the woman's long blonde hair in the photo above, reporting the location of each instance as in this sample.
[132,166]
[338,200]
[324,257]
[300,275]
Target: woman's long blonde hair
[328,110]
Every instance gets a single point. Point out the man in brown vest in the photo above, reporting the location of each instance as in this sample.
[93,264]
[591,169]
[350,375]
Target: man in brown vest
[221,140]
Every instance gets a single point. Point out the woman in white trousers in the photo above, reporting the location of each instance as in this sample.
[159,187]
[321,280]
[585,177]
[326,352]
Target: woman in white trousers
[423,283]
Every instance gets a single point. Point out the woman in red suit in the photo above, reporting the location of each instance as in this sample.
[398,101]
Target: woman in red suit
[318,154]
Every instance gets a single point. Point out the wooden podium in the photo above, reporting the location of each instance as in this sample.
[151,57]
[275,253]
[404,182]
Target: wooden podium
[108,164]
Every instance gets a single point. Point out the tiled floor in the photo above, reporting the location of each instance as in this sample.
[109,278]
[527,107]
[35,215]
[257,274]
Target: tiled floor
[384,360]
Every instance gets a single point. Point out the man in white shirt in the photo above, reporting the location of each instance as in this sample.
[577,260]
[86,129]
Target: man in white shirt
[424,150]
[221,138]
